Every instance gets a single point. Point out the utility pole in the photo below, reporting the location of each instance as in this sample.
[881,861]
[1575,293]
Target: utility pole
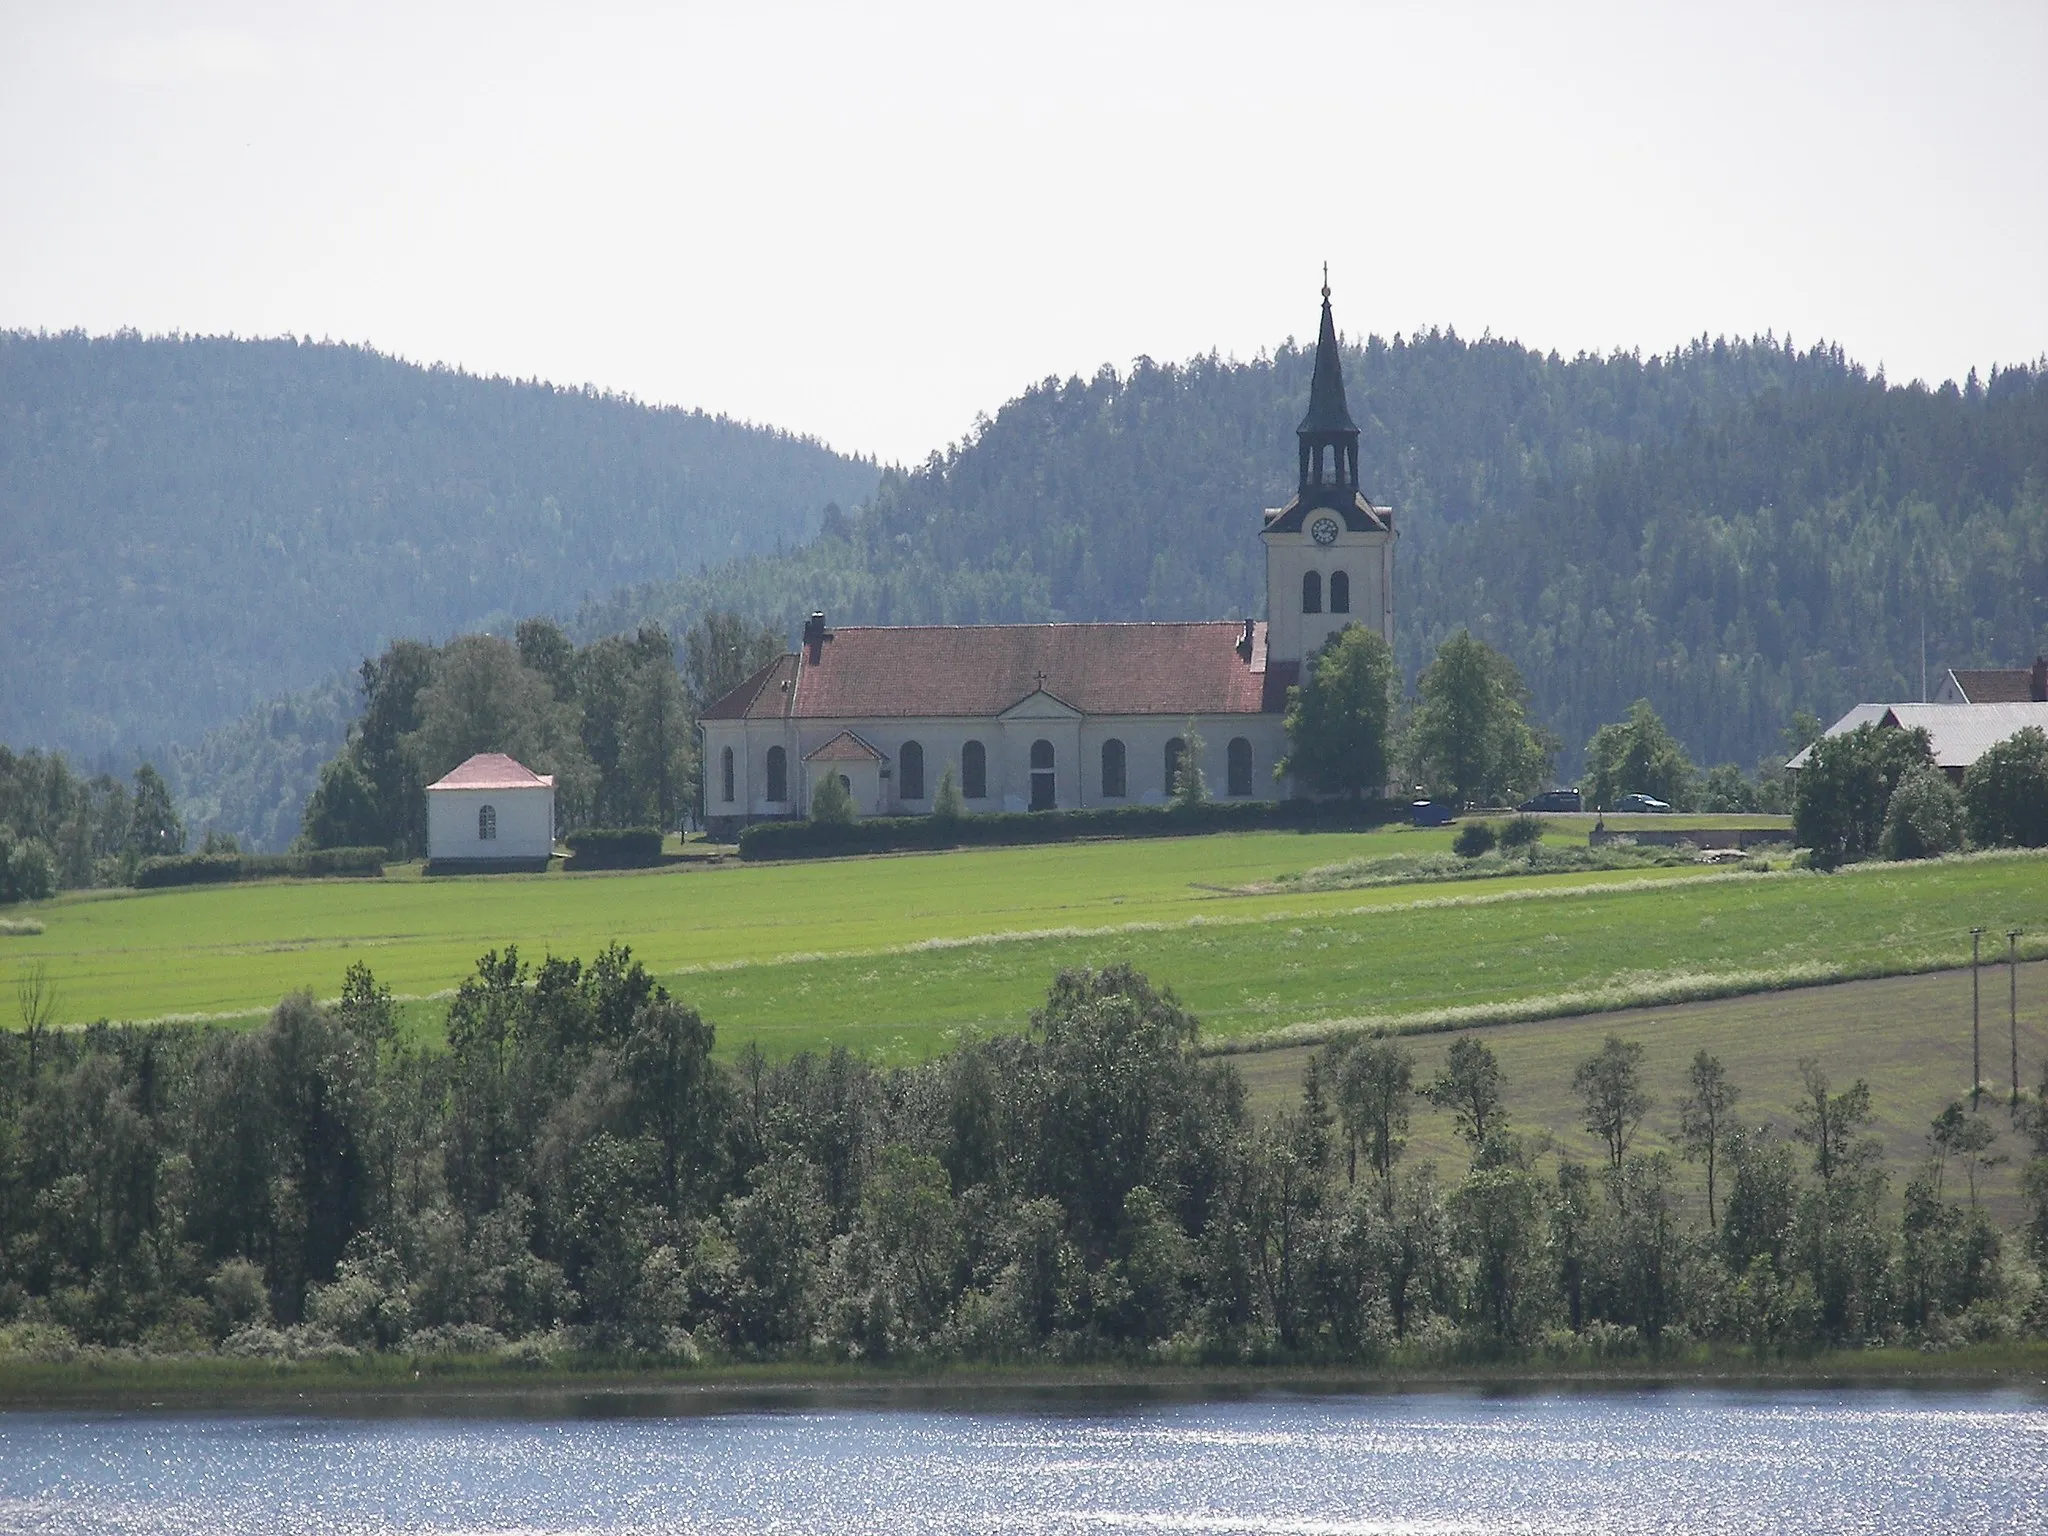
[1976,1050]
[2012,973]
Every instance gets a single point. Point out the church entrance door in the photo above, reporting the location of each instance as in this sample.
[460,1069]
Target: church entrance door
[1043,794]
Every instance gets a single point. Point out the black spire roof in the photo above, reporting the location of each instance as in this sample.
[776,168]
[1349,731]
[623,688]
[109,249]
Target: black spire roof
[1327,411]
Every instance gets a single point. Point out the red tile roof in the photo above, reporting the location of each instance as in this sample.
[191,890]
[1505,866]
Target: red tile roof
[766,693]
[845,748]
[981,670]
[1994,685]
[493,770]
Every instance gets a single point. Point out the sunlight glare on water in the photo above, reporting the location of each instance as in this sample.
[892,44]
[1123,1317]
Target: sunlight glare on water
[1443,1465]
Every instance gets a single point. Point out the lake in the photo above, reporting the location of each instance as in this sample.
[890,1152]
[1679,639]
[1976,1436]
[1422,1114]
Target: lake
[1675,1460]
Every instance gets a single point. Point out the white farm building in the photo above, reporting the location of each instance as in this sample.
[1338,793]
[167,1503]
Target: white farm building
[491,810]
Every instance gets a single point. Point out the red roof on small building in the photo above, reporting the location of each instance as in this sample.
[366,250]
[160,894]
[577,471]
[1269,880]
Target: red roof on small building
[949,671]
[493,770]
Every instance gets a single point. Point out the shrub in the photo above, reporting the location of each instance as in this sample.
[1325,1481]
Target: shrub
[2006,792]
[948,804]
[1925,817]
[1521,832]
[1473,839]
[27,872]
[615,847]
[832,802]
[213,868]
[892,834]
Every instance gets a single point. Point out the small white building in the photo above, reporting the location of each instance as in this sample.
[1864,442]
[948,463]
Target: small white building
[491,810]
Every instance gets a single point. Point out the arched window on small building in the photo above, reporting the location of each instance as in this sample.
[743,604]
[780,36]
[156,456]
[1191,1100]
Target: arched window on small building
[1311,592]
[487,823]
[974,771]
[1340,592]
[910,771]
[1176,754]
[725,774]
[1239,766]
[778,776]
[1114,780]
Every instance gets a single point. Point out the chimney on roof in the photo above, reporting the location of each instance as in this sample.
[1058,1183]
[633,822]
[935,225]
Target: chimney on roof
[2037,681]
[1244,643]
[814,638]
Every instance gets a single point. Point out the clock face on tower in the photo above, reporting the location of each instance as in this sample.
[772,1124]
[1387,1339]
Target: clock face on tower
[1324,530]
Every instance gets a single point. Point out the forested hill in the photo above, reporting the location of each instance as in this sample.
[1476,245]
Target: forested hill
[189,526]
[1734,530]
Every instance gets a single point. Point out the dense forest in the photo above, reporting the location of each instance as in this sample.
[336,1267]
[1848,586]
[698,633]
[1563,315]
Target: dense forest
[1735,531]
[192,526]
[578,1171]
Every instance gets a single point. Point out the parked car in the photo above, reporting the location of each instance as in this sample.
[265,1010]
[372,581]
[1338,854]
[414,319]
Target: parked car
[1641,803]
[1553,800]
[1429,813]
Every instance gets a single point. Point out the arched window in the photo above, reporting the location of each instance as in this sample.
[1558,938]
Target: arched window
[1311,592]
[1340,592]
[1044,791]
[910,771]
[1113,781]
[778,776]
[1239,766]
[487,823]
[725,774]
[1176,754]
[974,771]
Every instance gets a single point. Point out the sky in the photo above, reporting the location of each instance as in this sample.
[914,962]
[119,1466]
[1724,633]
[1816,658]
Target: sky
[872,223]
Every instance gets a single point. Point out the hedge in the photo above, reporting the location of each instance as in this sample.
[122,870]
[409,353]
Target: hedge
[614,847]
[890,834]
[213,868]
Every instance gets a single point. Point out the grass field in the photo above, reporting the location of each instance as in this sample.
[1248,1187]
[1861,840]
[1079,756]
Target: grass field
[900,955]
[1909,1037]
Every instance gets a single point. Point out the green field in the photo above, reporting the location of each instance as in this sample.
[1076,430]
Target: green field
[900,955]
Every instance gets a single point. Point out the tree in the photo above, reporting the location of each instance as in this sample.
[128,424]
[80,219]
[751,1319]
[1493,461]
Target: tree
[948,804]
[543,648]
[482,699]
[154,827]
[1638,756]
[659,759]
[1337,722]
[1925,817]
[721,651]
[831,800]
[1839,804]
[1610,1086]
[1728,793]
[2006,792]
[1955,1133]
[392,685]
[1190,788]
[1833,1124]
[1703,1113]
[1469,1086]
[343,812]
[1375,1081]
[1469,736]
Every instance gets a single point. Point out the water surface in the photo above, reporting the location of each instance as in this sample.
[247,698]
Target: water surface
[1623,1462]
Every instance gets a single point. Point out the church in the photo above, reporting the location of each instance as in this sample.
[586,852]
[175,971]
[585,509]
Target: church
[1036,717]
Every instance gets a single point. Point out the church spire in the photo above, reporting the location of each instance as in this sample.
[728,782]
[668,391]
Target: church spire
[1328,435]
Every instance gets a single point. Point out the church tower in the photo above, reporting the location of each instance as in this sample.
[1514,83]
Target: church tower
[1329,551]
